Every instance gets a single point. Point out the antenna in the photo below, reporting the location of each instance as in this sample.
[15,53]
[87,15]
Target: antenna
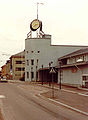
[37,14]
[37,7]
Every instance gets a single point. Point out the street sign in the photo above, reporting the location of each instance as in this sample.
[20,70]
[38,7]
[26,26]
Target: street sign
[52,70]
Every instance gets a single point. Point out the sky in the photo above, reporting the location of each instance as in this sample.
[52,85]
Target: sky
[65,20]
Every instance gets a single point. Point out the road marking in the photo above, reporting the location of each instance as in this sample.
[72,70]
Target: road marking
[2,96]
[82,94]
[85,94]
[77,110]
[69,91]
[65,105]
[72,91]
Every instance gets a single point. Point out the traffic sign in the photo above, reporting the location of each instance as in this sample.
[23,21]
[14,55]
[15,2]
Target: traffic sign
[52,70]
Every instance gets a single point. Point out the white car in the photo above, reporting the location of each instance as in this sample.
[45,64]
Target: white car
[3,80]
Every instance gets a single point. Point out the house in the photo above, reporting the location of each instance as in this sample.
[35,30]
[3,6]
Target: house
[3,70]
[74,67]
[17,65]
[8,73]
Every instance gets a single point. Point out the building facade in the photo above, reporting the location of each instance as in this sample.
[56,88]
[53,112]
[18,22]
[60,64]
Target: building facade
[39,53]
[8,74]
[17,68]
[74,68]
[3,70]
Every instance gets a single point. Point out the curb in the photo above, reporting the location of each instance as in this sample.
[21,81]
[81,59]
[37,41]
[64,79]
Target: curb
[85,89]
[72,108]
[65,105]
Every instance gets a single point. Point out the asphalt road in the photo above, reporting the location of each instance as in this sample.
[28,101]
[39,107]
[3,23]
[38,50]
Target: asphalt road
[23,104]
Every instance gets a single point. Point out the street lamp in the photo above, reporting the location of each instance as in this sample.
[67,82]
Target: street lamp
[36,73]
[79,60]
[50,65]
[60,63]
[42,74]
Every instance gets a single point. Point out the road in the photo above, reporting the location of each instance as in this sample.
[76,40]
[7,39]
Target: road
[20,103]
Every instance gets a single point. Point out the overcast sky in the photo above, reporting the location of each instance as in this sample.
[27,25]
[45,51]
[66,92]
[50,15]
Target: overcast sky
[65,20]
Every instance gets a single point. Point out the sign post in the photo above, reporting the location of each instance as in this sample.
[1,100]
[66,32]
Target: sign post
[52,72]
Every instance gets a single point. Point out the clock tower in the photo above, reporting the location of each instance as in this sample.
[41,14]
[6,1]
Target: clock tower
[36,26]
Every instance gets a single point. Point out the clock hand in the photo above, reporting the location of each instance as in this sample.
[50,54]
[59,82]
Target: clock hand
[35,25]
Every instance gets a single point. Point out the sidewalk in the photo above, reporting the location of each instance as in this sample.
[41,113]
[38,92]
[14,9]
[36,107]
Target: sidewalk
[72,97]
[57,87]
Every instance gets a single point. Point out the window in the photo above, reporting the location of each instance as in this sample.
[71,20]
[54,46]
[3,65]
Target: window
[20,69]
[37,61]
[32,75]
[38,51]
[32,51]
[83,58]
[36,75]
[27,74]
[18,62]
[17,74]
[32,62]
[27,62]
[85,78]
[23,62]
[27,51]
[31,68]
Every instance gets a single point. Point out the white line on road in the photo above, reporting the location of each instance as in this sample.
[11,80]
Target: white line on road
[82,94]
[77,110]
[2,96]
[86,95]
[72,108]
[69,91]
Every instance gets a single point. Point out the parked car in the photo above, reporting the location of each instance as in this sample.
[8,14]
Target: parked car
[3,79]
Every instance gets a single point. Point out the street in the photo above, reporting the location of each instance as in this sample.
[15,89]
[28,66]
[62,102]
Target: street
[21,102]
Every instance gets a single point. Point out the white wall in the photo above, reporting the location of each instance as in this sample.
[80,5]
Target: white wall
[71,78]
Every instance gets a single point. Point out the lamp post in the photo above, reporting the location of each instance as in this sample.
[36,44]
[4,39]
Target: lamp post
[80,60]
[50,65]
[49,77]
[52,86]
[60,73]
[42,74]
[36,73]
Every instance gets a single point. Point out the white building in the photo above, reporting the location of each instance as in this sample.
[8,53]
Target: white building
[39,53]
[74,68]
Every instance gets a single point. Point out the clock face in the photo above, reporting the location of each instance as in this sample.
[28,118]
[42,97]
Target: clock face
[35,24]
